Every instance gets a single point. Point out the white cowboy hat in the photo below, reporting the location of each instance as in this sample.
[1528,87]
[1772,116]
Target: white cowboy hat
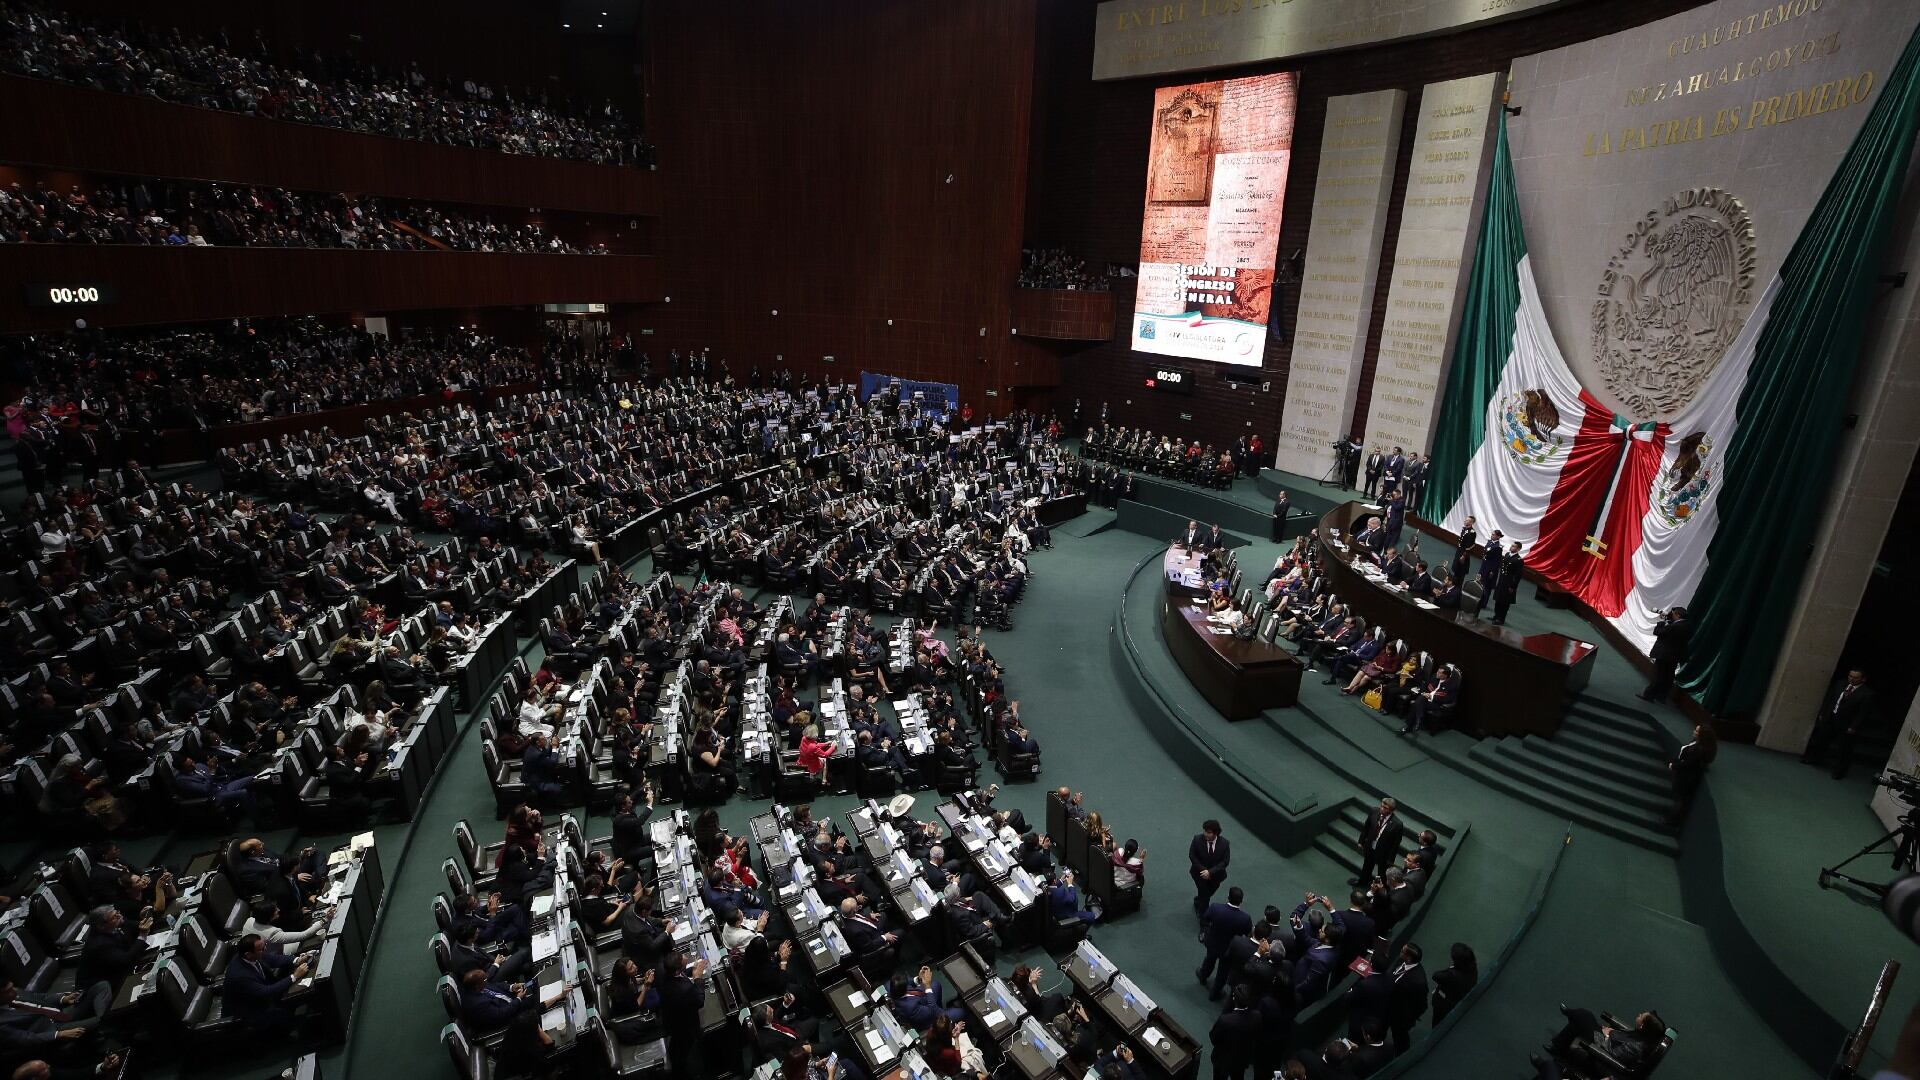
[900,806]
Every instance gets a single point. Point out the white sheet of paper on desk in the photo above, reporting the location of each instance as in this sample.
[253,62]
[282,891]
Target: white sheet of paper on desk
[542,904]
[917,914]
[994,1018]
[554,1020]
[875,1040]
[857,999]
[551,994]
[545,945]
[1151,1036]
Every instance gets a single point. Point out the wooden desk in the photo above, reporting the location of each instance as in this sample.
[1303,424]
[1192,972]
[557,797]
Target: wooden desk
[1239,677]
[1511,683]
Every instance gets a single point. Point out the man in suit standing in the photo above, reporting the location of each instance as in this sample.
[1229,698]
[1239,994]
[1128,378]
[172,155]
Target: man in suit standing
[1689,767]
[1235,1037]
[1376,461]
[1670,637]
[1396,515]
[1393,470]
[1846,711]
[1351,472]
[683,990]
[1407,998]
[1417,478]
[1207,857]
[1512,568]
[1379,842]
[1219,927]
[1281,505]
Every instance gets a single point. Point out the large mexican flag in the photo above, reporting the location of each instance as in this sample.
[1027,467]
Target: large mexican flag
[1715,507]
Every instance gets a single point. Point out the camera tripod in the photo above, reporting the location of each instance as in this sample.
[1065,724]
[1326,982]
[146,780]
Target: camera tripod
[1336,475]
[1906,846]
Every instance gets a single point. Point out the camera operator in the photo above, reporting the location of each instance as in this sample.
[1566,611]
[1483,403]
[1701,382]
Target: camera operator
[1350,471]
[1670,638]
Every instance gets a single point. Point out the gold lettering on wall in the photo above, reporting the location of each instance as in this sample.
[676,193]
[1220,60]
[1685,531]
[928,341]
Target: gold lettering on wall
[1812,100]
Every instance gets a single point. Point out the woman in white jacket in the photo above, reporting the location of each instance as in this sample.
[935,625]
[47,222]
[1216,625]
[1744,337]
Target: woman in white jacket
[260,921]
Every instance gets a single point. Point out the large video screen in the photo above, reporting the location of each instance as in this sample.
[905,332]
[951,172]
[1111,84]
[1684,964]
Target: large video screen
[1216,179]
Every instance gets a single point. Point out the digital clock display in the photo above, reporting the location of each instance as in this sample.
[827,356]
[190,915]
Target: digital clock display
[68,294]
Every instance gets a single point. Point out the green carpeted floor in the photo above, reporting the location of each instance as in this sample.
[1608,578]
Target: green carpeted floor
[1610,933]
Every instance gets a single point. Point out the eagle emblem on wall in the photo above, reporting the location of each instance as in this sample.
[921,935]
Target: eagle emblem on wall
[1672,298]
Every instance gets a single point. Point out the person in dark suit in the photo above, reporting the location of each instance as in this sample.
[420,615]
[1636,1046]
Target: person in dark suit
[1442,691]
[1376,461]
[1370,1050]
[111,950]
[683,990]
[1207,858]
[1235,1037]
[1453,984]
[1632,1049]
[1512,568]
[1846,711]
[488,1007]
[644,938]
[257,983]
[1420,584]
[1281,504]
[540,770]
[1379,842]
[1221,924]
[1249,960]
[1689,767]
[630,840]
[1396,515]
[1392,470]
[1371,540]
[1194,539]
[1358,931]
[1396,998]
[1670,638]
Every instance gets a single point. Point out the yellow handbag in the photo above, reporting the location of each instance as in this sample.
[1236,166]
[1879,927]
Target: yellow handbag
[1372,699]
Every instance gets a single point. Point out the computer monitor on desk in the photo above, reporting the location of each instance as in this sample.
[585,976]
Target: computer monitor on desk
[1035,1052]
[1000,1010]
[1126,1005]
[1089,968]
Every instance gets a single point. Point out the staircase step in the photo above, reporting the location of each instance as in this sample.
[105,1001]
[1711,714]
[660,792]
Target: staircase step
[1657,840]
[1590,782]
[1595,810]
[1614,708]
[1342,852]
[1650,777]
[1637,726]
[1609,744]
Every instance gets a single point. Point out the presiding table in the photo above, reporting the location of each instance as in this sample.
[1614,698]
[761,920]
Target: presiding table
[1511,683]
[1240,677]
